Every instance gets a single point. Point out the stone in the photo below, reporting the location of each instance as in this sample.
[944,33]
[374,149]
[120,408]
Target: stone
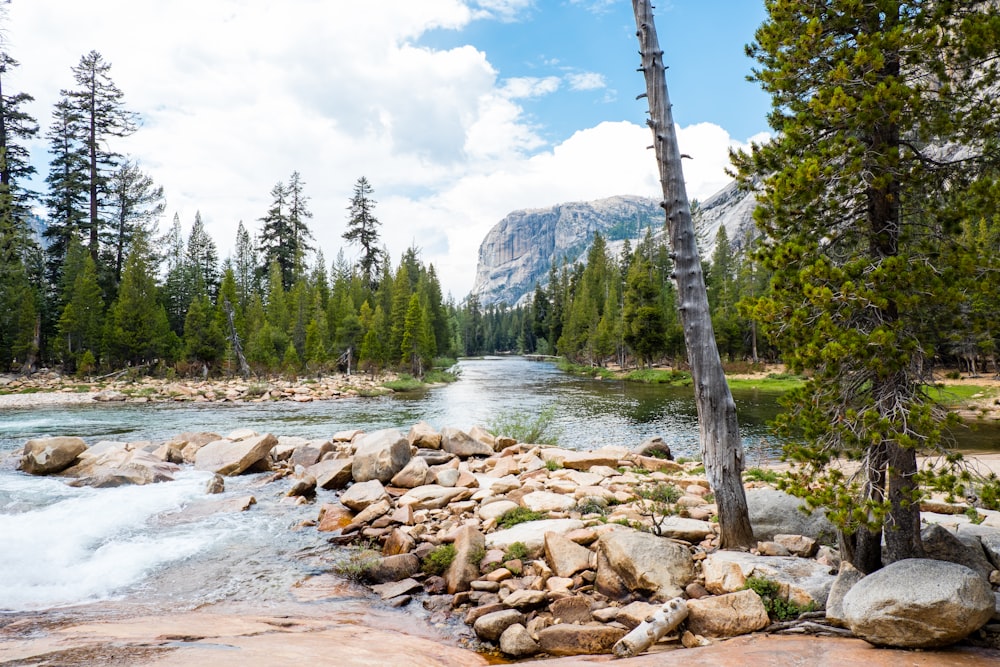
[517,642]
[496,509]
[525,599]
[846,578]
[396,588]
[363,494]
[423,434]
[43,456]
[689,530]
[573,609]
[918,603]
[120,467]
[412,475]
[940,544]
[331,473]
[229,458]
[727,615]
[398,542]
[491,626]
[565,557]
[460,443]
[334,517]
[373,511]
[566,639]
[432,496]
[447,477]
[802,580]
[305,487]
[380,455]
[648,564]
[635,613]
[656,448]
[545,501]
[394,568]
[215,485]
[531,533]
[309,453]
[797,545]
[569,458]
[346,436]
[774,512]
[465,566]
[482,435]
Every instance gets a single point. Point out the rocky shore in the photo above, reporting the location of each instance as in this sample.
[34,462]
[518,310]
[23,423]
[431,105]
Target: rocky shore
[545,551]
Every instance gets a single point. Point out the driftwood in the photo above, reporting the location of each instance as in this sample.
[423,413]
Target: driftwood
[652,629]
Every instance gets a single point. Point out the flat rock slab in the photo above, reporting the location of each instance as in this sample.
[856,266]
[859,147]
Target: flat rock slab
[531,533]
[228,458]
[566,639]
[806,580]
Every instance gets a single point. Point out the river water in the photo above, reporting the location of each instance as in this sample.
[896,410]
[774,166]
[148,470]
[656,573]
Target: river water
[62,546]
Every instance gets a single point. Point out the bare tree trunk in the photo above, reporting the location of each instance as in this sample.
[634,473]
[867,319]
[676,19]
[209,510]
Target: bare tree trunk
[722,450]
[234,339]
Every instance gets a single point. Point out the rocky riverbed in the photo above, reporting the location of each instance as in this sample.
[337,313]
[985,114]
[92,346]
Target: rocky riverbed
[527,551]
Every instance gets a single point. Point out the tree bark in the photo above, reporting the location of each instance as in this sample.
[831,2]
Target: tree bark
[722,449]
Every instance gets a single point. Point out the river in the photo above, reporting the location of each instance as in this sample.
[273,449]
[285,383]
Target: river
[64,547]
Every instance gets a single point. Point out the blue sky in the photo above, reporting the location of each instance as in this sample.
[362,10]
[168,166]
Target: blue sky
[457,111]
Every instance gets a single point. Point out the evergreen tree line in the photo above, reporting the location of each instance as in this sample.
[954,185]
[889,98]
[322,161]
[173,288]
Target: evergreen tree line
[106,289]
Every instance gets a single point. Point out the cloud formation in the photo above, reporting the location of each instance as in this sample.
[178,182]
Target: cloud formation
[235,95]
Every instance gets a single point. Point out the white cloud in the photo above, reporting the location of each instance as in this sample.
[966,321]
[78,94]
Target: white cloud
[237,94]
[586,81]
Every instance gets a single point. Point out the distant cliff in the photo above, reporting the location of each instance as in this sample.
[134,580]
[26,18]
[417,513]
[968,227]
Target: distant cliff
[521,248]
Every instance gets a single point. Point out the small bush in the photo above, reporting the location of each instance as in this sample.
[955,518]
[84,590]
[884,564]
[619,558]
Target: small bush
[777,607]
[552,465]
[404,383]
[760,475]
[519,515]
[437,376]
[356,565]
[516,551]
[660,493]
[439,560]
[537,430]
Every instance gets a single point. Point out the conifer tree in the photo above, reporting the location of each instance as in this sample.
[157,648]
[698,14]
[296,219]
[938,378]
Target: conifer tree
[66,199]
[362,229]
[136,203]
[81,322]
[203,259]
[888,115]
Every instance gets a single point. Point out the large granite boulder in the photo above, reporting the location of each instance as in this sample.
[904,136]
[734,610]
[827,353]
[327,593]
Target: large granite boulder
[774,512]
[363,494]
[380,455]
[531,533]
[941,544]
[120,467]
[228,457]
[567,639]
[43,456]
[651,565]
[802,581]
[331,473]
[423,435]
[413,474]
[461,444]
[469,547]
[727,615]
[918,603]
[566,557]
[432,496]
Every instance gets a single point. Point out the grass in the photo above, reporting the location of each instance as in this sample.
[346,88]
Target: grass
[775,382]
[439,560]
[657,376]
[536,429]
[777,607]
[956,394]
[760,475]
[356,565]
[517,551]
[403,383]
[518,515]
[588,371]
[438,376]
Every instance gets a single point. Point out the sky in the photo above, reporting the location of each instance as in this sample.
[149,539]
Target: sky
[456,111]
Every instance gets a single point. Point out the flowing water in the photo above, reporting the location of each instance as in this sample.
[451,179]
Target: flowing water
[62,546]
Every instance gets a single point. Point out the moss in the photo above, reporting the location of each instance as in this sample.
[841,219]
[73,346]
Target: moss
[439,560]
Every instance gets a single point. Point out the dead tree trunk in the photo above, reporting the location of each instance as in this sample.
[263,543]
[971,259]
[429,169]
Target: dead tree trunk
[234,339]
[722,450]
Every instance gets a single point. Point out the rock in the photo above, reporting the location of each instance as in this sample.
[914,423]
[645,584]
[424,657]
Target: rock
[110,396]
[491,626]
[363,494]
[988,537]
[423,434]
[171,452]
[727,615]
[608,456]
[412,475]
[462,444]
[940,544]
[525,600]
[394,568]
[380,455]
[334,517]
[228,458]
[635,613]
[544,501]
[689,530]
[496,509]
[331,473]
[120,467]
[775,512]
[372,512]
[573,609]
[566,558]
[565,639]
[43,456]
[656,448]
[918,603]
[305,487]
[531,533]
[648,564]
[432,496]
[396,588]
[469,545]
[447,477]
[398,542]
[846,578]
[798,545]
[309,453]
[482,435]
[216,485]
[802,580]
[517,642]
[691,640]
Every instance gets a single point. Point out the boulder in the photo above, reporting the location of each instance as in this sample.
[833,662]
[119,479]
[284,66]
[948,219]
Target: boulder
[802,580]
[689,530]
[918,603]
[566,558]
[331,473]
[940,544]
[304,487]
[651,565]
[309,453]
[566,639]
[334,516]
[727,615]
[798,545]
[656,448]
[423,434]
[987,536]
[491,626]
[531,533]
[568,458]
[469,547]
[121,467]
[846,578]
[363,494]
[525,599]
[215,485]
[496,509]
[228,458]
[43,456]
[517,642]
[412,475]
[432,496]
[573,609]
[461,444]
[482,435]
[545,501]
[380,455]
[394,568]
[774,512]
[635,613]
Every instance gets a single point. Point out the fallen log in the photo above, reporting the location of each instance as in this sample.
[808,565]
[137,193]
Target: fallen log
[652,629]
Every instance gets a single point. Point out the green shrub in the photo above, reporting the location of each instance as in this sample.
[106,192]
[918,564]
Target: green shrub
[777,607]
[439,560]
[437,376]
[537,430]
[516,551]
[760,475]
[403,383]
[552,465]
[356,565]
[519,515]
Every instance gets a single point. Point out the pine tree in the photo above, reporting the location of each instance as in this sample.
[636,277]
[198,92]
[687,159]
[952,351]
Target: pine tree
[245,266]
[66,200]
[362,229]
[203,259]
[136,203]
[204,341]
[888,117]
[81,321]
